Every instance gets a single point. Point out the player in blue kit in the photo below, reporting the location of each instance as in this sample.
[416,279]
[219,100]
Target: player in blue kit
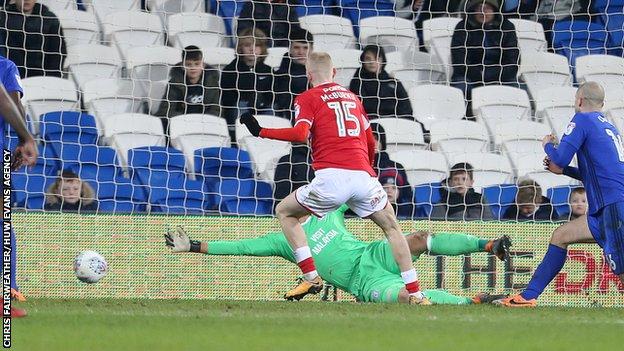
[600,152]
[25,154]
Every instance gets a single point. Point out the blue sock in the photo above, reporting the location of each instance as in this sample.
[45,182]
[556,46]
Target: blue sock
[546,271]
[13,261]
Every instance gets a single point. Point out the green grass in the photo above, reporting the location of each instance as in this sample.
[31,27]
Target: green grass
[153,325]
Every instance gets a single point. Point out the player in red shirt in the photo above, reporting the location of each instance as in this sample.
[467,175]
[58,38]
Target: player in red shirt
[343,147]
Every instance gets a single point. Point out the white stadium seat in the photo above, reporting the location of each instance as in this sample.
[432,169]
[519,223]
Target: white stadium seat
[167,8]
[346,62]
[391,33]
[330,32]
[531,166]
[275,56]
[458,136]
[614,108]
[530,35]
[242,133]
[103,8]
[543,70]
[201,29]
[196,131]
[494,104]
[437,35]
[147,66]
[218,57]
[130,130]
[48,94]
[130,29]
[521,138]
[79,27]
[422,166]
[608,70]
[108,97]
[59,5]
[556,107]
[432,103]
[401,134]
[87,62]
[415,68]
[489,169]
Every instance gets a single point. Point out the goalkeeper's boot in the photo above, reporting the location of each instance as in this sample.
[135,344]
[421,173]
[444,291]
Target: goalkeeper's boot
[487,298]
[423,301]
[499,247]
[516,301]
[304,288]
[17,295]
[18,312]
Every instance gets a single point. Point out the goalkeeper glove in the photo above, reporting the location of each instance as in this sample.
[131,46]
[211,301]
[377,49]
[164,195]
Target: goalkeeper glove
[251,122]
[180,242]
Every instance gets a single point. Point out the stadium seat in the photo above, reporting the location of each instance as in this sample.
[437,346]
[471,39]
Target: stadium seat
[530,165]
[69,127]
[229,10]
[499,198]
[391,33]
[574,39]
[415,68]
[401,134]
[242,133]
[196,131]
[346,62]
[130,29]
[425,196]
[422,166]
[120,196]
[330,32]
[437,35]
[275,55]
[187,201]
[316,7]
[611,14]
[614,107]
[457,136]
[165,9]
[108,97]
[92,162]
[131,130]
[265,154]
[244,196]
[560,199]
[59,5]
[498,104]
[489,169]
[544,70]
[556,107]
[30,190]
[356,10]
[204,30]
[86,62]
[218,57]
[531,37]
[101,9]
[149,67]
[247,207]
[432,103]
[519,138]
[79,27]
[215,164]
[48,94]
[607,70]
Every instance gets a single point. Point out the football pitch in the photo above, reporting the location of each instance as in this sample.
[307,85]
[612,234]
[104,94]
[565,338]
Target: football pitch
[117,324]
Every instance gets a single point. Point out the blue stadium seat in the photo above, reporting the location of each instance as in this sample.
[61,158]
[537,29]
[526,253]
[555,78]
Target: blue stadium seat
[425,196]
[500,197]
[48,162]
[156,157]
[215,163]
[228,10]
[355,10]
[233,189]
[559,198]
[90,162]
[69,126]
[247,207]
[317,7]
[29,189]
[579,38]
[185,201]
[120,196]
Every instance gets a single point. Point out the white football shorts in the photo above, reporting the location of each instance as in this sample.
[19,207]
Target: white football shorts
[333,187]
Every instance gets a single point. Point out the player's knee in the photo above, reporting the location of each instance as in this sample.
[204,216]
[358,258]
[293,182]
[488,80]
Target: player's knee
[403,296]
[559,238]
[418,241]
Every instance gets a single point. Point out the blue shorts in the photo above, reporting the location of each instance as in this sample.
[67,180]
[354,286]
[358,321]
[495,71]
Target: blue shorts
[607,228]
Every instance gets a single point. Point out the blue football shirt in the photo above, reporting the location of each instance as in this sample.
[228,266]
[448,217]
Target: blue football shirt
[9,77]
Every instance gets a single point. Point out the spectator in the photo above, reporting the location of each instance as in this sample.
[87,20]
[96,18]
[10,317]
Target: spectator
[578,203]
[484,48]
[275,18]
[193,88]
[247,82]
[291,78]
[396,187]
[70,194]
[459,199]
[293,171]
[33,39]
[549,11]
[530,205]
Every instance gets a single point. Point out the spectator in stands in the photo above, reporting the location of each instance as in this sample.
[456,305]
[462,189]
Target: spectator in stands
[549,11]
[459,199]
[247,82]
[396,187]
[578,203]
[275,18]
[530,205]
[484,48]
[293,171]
[193,88]
[70,194]
[33,38]
[291,78]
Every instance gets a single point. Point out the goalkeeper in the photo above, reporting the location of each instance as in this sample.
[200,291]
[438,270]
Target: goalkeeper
[366,270]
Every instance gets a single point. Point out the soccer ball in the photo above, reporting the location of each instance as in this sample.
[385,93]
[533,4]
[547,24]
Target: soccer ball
[90,267]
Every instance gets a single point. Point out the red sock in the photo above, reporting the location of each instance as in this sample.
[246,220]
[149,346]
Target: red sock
[306,262]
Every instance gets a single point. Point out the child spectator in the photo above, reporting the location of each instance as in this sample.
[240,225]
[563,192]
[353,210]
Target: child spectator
[276,18]
[578,203]
[394,185]
[70,194]
[530,205]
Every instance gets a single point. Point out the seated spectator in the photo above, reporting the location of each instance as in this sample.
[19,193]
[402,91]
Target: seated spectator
[291,78]
[70,194]
[193,88]
[459,199]
[395,186]
[484,48]
[247,82]
[293,171]
[530,205]
[32,39]
[276,18]
[578,203]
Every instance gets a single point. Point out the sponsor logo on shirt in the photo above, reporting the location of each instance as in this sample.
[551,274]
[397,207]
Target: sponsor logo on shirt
[570,128]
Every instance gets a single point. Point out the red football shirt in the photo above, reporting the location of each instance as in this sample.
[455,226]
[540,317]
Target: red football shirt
[338,125]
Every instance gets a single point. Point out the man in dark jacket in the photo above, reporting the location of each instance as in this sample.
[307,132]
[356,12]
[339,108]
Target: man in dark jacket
[34,39]
[293,171]
[484,48]
[276,18]
[291,78]
[193,88]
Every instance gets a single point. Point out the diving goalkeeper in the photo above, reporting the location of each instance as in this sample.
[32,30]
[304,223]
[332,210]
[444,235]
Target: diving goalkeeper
[366,270]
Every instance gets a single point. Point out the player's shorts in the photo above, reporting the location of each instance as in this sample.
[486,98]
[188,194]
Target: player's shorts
[333,187]
[607,228]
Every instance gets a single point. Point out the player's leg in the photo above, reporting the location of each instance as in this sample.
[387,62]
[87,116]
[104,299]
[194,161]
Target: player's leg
[612,225]
[453,244]
[575,231]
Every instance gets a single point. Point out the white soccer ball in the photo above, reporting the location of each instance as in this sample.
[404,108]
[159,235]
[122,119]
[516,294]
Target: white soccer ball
[90,267]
